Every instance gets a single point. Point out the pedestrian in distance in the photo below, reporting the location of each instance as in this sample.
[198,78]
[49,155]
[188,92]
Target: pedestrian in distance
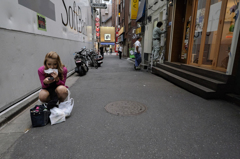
[156,41]
[53,82]
[101,51]
[120,51]
[137,53]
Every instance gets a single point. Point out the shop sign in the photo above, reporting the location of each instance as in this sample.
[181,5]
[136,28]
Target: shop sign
[97,24]
[134,9]
[121,31]
[97,19]
[97,34]
[138,30]
[107,37]
[120,38]
[99,5]
[97,29]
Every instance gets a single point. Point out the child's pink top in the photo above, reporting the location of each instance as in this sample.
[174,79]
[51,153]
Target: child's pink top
[41,75]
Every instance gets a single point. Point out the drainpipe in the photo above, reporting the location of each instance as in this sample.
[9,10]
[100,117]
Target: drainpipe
[93,27]
[100,22]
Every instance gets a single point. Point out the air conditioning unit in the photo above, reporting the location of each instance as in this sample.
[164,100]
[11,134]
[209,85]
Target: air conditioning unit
[106,11]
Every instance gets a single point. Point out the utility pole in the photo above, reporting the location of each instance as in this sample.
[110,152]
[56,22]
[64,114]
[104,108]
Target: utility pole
[100,22]
[93,26]
[162,57]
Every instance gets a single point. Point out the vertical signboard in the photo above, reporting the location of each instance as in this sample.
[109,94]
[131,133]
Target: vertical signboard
[134,9]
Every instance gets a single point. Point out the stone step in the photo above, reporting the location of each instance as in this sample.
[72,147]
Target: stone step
[202,71]
[202,80]
[190,86]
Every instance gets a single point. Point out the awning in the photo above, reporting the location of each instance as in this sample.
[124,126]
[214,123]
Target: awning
[107,43]
[141,10]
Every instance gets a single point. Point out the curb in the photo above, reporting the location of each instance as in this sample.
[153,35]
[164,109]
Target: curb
[17,108]
[133,61]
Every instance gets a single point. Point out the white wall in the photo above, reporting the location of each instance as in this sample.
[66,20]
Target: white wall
[158,11]
[23,47]
[21,56]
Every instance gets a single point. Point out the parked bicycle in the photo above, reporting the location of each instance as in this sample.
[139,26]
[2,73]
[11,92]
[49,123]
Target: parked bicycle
[92,58]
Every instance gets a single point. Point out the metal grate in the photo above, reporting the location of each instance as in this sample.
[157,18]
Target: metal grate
[125,108]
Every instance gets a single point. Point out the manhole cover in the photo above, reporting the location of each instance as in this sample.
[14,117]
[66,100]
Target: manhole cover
[125,108]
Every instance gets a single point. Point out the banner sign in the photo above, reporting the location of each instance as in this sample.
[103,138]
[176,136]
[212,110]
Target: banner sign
[121,31]
[138,30]
[67,19]
[41,22]
[134,9]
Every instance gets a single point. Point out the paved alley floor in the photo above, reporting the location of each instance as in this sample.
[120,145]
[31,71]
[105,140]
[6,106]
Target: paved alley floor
[177,124]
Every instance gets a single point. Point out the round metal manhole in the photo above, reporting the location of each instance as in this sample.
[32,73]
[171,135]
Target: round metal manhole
[125,108]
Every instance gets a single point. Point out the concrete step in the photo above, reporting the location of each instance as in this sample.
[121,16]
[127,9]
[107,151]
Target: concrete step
[234,98]
[192,87]
[217,75]
[202,80]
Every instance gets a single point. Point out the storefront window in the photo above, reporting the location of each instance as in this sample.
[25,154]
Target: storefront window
[227,34]
[212,32]
[198,30]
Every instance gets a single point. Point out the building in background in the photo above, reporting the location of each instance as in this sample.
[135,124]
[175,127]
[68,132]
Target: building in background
[106,16]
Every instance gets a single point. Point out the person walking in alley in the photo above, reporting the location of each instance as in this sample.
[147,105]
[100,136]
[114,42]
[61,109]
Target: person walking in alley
[53,83]
[101,51]
[137,53]
[156,41]
[120,51]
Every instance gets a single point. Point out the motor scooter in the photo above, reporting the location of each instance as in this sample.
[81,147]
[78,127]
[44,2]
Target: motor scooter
[81,62]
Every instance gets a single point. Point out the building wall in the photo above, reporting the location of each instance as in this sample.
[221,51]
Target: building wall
[21,56]
[113,13]
[157,13]
[24,46]
[107,30]
[126,20]
[106,14]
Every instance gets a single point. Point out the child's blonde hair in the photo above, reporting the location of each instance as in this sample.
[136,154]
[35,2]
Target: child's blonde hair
[54,55]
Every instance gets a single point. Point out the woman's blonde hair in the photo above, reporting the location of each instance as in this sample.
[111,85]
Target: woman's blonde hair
[54,55]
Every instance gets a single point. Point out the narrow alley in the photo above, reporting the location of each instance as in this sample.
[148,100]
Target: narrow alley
[175,124]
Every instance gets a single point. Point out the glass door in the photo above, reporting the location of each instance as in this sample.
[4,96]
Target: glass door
[212,31]
[212,35]
[223,51]
[197,34]
[187,30]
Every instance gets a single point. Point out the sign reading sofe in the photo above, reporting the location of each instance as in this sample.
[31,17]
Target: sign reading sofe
[74,18]
[54,18]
